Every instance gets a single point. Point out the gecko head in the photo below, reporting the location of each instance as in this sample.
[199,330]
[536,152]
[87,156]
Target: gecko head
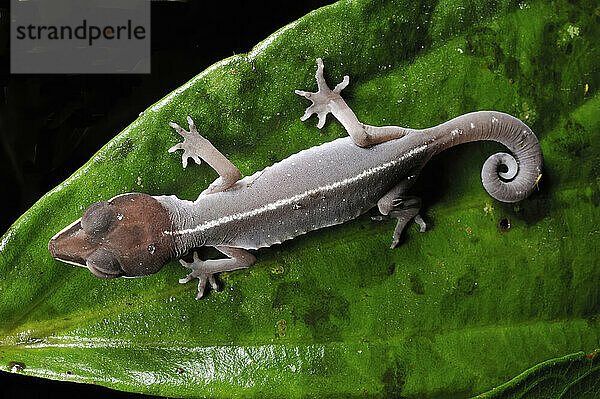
[124,236]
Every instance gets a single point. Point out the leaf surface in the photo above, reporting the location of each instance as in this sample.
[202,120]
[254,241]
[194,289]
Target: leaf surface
[453,312]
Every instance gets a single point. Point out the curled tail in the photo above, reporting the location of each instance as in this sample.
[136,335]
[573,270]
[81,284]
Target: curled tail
[506,177]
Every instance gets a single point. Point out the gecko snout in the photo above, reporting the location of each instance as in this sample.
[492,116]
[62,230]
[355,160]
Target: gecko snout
[70,245]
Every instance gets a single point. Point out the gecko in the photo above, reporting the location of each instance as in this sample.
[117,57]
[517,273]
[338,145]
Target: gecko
[136,234]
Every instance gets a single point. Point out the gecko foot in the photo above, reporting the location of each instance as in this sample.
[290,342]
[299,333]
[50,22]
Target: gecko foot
[405,209]
[192,142]
[322,98]
[198,272]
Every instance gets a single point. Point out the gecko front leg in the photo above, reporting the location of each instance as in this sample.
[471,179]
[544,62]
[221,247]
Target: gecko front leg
[197,147]
[205,270]
[325,100]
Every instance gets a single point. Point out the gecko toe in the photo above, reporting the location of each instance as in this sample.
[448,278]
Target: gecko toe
[322,118]
[196,159]
[178,129]
[213,282]
[176,147]
[342,85]
[419,220]
[191,125]
[306,94]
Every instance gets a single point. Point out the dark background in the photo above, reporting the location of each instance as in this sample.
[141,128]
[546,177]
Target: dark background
[50,125]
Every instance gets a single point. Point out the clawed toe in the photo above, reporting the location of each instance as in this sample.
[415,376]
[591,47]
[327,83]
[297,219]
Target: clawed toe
[303,93]
[191,125]
[419,220]
[178,146]
[213,282]
[342,85]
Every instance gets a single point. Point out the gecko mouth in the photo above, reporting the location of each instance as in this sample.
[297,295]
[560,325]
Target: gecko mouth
[103,273]
[104,264]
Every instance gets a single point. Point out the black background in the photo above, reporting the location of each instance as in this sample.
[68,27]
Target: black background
[50,125]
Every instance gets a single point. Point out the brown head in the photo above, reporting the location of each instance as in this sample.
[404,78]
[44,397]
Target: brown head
[124,236]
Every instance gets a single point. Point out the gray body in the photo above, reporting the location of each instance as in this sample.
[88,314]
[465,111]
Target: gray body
[136,234]
[318,187]
[337,181]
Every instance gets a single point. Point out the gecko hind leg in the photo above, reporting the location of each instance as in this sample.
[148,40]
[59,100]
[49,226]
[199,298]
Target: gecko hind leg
[197,147]
[325,100]
[395,203]
[205,270]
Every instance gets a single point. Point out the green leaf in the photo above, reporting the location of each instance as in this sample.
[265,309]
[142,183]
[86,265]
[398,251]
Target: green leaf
[452,313]
[571,376]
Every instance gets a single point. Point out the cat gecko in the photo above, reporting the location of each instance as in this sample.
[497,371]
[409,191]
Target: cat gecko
[137,234]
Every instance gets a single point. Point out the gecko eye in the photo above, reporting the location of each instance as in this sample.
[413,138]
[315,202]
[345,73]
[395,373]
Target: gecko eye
[104,264]
[97,218]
